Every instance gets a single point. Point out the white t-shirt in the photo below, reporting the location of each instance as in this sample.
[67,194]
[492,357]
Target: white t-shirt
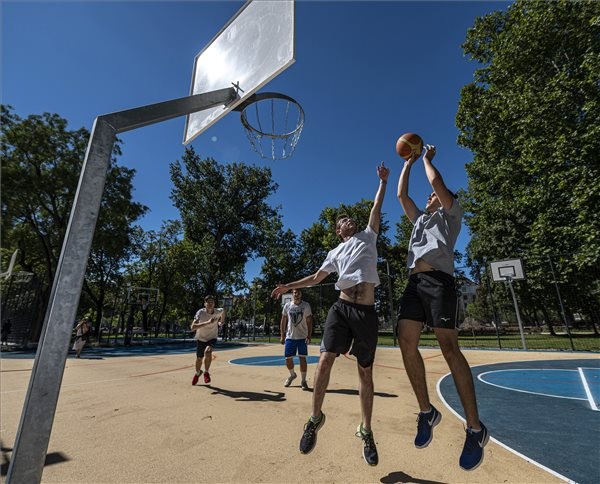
[210,331]
[355,260]
[297,328]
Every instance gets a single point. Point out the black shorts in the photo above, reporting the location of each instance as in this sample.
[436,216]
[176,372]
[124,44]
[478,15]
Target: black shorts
[430,297]
[201,346]
[355,325]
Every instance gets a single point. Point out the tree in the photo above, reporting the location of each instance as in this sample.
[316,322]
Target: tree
[42,161]
[225,214]
[532,121]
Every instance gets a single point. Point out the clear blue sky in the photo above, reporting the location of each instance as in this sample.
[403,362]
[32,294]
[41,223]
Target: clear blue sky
[365,73]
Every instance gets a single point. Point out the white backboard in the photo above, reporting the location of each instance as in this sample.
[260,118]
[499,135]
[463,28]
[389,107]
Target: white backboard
[255,46]
[286,298]
[502,270]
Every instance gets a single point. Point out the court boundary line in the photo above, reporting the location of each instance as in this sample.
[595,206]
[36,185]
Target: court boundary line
[587,389]
[493,439]
[526,391]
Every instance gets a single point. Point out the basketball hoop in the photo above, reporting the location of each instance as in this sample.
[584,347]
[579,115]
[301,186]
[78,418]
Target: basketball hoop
[274,119]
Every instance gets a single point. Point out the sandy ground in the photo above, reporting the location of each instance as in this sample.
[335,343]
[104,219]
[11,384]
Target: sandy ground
[139,419]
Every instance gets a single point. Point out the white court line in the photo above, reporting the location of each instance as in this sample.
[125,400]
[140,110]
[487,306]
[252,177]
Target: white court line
[510,449]
[588,392]
[479,377]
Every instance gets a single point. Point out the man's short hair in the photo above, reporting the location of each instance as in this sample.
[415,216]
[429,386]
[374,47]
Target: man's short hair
[210,297]
[341,216]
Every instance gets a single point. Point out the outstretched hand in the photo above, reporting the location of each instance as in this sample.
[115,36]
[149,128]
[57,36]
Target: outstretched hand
[278,291]
[383,172]
[429,153]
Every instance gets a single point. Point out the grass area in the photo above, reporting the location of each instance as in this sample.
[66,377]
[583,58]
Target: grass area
[511,341]
[538,341]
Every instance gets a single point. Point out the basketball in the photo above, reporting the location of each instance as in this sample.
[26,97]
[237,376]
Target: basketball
[408,144]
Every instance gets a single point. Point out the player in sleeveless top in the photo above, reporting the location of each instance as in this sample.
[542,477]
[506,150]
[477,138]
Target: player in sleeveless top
[431,298]
[351,323]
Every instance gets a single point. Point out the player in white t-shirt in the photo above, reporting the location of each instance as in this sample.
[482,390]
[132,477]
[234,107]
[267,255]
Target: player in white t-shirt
[296,330]
[206,324]
[351,323]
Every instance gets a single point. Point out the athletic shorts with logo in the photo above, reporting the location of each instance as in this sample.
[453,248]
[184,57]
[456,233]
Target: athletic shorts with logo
[351,327]
[201,346]
[430,297]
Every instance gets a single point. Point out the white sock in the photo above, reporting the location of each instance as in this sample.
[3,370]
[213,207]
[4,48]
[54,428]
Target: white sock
[428,411]
[198,373]
[292,372]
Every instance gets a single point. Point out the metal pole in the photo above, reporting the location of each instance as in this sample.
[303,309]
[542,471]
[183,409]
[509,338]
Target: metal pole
[562,308]
[512,291]
[33,434]
[494,315]
[254,317]
[391,298]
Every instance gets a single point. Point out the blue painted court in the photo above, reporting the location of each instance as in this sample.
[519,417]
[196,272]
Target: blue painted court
[547,411]
[277,360]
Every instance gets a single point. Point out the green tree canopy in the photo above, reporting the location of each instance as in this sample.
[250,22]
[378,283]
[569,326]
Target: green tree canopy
[225,213]
[41,164]
[532,120]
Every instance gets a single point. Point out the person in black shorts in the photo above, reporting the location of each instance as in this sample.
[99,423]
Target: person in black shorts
[431,298]
[351,323]
[206,324]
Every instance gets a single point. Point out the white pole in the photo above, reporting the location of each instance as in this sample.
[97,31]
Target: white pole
[512,291]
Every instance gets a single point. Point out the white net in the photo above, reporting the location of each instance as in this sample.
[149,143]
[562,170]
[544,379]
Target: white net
[273,123]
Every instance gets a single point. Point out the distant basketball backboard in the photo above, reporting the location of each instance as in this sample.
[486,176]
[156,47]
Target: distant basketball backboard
[255,46]
[504,270]
[286,298]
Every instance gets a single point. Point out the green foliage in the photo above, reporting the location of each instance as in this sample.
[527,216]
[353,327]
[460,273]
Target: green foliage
[225,215]
[41,164]
[531,119]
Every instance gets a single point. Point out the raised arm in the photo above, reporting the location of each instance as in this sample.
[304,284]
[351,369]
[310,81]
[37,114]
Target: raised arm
[375,217]
[436,180]
[300,283]
[409,207]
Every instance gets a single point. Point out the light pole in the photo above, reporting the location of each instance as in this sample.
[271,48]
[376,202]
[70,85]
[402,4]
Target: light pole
[257,286]
[391,299]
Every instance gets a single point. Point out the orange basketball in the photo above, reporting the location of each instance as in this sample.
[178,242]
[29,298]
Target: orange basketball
[408,144]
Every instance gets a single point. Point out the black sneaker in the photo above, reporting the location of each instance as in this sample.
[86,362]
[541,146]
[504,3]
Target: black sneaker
[472,454]
[369,448]
[425,424]
[309,437]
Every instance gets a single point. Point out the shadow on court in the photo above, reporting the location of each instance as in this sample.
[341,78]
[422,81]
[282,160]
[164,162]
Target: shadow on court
[347,391]
[268,396]
[52,458]
[394,477]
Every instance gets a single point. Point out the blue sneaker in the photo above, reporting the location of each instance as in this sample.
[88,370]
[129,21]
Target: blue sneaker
[425,424]
[472,453]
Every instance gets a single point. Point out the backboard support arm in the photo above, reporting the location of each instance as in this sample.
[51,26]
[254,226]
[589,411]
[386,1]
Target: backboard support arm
[33,434]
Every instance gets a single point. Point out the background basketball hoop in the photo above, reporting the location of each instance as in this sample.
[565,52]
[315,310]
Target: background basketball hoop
[273,123]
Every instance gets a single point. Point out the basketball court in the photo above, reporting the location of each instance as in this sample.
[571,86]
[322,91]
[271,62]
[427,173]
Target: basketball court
[132,415]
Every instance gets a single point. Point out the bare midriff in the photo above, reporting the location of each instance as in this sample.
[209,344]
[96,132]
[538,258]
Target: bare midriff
[422,266]
[362,293]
